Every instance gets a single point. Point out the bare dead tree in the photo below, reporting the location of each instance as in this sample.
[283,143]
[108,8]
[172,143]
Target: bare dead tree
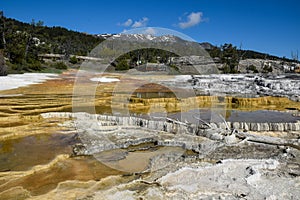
[240,55]
[3,69]
[27,46]
[2,28]
[29,40]
[295,55]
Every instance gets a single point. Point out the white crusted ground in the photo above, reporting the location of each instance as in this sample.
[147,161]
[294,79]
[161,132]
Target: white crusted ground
[232,179]
[13,81]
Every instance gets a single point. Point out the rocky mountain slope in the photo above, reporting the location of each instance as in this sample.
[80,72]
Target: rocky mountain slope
[189,53]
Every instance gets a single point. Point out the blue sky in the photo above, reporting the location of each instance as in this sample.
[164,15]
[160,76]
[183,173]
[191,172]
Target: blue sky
[269,26]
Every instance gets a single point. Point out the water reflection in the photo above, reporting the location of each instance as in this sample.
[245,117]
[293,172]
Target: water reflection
[149,95]
[24,153]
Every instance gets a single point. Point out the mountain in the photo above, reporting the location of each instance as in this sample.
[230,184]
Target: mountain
[227,58]
[147,37]
[119,44]
[169,39]
[207,45]
[137,50]
[154,39]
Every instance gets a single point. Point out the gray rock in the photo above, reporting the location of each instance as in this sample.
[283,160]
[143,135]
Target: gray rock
[244,84]
[231,139]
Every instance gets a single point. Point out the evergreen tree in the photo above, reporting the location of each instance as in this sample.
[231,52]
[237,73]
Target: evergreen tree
[230,58]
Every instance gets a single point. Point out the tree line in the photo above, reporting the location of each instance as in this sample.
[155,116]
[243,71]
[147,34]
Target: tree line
[22,42]
[230,56]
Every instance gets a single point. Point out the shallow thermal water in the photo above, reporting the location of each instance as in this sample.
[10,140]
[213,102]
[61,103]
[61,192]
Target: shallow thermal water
[258,116]
[24,153]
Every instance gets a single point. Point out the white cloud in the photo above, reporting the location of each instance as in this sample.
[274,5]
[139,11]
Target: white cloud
[192,20]
[140,23]
[127,23]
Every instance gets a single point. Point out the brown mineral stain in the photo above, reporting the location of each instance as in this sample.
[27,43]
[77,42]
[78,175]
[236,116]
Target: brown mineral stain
[42,181]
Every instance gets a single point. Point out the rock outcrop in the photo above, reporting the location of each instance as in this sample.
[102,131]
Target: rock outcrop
[194,65]
[263,65]
[249,126]
[242,85]
[103,132]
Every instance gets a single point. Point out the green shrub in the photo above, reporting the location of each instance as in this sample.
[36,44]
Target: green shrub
[122,65]
[60,65]
[33,64]
[73,60]
[252,68]
[3,68]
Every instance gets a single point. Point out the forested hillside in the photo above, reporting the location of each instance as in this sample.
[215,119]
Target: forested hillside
[22,42]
